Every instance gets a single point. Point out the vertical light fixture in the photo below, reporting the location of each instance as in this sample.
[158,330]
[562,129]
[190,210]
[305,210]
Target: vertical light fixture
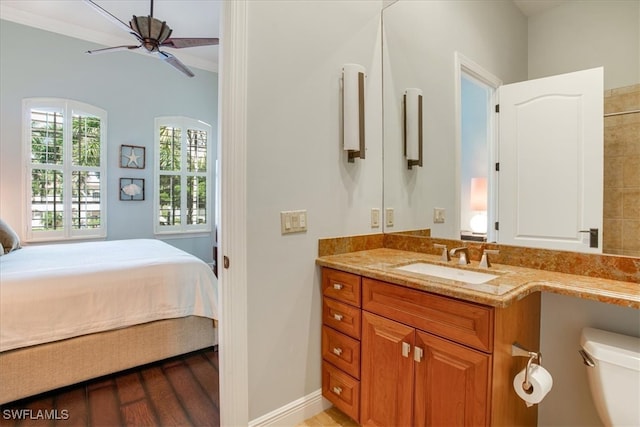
[353,110]
[413,127]
[478,203]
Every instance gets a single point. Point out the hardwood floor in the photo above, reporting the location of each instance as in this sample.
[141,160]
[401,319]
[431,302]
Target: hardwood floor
[181,391]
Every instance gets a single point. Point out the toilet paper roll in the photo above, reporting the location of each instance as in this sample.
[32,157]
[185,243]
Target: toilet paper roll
[541,383]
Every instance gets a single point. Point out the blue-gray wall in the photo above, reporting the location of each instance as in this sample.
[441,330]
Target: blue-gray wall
[132,88]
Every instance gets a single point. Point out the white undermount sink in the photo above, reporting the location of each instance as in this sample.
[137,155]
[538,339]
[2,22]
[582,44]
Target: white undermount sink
[451,273]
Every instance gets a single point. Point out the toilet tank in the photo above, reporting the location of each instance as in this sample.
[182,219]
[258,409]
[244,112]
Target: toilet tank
[615,378]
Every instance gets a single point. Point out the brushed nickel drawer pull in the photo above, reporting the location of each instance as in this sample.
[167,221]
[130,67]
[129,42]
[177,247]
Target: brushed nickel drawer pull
[417,354]
[337,351]
[337,286]
[337,390]
[406,348]
[338,317]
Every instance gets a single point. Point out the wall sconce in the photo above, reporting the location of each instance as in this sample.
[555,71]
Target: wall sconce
[353,110]
[478,203]
[413,127]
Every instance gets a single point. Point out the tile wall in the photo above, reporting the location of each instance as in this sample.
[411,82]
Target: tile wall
[621,234]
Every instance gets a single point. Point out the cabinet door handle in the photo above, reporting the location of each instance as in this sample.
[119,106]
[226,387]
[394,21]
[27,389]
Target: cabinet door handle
[406,348]
[337,286]
[338,317]
[417,354]
[337,351]
[337,390]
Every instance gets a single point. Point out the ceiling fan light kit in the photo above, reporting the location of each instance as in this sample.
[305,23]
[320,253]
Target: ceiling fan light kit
[152,33]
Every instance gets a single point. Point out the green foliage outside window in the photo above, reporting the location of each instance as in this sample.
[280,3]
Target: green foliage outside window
[183,164]
[86,141]
[52,221]
[48,169]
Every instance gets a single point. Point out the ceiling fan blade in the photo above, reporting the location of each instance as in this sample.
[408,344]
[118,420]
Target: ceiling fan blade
[180,43]
[112,49]
[110,17]
[175,62]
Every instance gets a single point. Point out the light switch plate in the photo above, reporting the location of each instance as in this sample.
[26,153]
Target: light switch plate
[388,217]
[375,218]
[438,215]
[293,221]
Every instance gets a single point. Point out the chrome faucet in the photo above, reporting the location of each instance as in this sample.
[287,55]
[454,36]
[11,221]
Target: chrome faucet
[464,255]
[484,262]
[445,253]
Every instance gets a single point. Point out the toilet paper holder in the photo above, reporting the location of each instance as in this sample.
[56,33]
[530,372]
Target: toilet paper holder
[518,350]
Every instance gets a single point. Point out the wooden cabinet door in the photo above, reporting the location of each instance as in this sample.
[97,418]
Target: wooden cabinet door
[387,372]
[451,384]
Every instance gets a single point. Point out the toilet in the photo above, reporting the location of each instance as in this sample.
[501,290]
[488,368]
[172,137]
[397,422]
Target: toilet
[614,378]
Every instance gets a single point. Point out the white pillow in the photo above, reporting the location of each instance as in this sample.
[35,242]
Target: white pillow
[8,238]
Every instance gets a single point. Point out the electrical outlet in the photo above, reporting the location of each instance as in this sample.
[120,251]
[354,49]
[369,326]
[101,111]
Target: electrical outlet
[375,218]
[388,216]
[438,215]
[293,221]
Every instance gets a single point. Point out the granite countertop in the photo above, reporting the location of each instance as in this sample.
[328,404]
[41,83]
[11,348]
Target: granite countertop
[512,283]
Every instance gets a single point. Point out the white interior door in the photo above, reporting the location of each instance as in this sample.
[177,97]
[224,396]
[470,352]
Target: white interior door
[551,161]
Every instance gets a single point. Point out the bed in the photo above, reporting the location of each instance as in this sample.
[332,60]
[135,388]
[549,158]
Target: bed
[75,311]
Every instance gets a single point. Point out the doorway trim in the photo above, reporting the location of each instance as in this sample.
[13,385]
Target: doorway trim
[232,214]
[464,65]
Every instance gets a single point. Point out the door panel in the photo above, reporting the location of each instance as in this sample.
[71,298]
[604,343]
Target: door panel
[387,374]
[451,384]
[551,161]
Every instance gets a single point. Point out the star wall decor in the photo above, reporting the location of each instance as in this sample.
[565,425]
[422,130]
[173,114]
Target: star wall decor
[132,156]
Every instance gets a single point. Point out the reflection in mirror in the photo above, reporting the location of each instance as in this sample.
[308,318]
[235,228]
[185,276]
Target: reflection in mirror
[475,100]
[420,41]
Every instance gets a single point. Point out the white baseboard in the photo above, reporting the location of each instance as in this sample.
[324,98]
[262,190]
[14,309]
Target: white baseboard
[293,413]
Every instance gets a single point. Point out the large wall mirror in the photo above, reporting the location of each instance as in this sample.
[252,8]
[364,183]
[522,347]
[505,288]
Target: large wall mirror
[423,41]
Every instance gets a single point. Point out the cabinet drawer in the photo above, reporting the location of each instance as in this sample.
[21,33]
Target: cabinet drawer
[342,286]
[341,390]
[460,321]
[342,317]
[341,351]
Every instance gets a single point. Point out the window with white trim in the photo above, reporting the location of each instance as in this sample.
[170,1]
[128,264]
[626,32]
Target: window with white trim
[183,164]
[65,146]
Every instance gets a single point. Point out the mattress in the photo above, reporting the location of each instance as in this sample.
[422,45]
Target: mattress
[55,292]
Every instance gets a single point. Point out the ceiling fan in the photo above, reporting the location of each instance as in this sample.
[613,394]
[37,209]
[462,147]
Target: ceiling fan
[152,34]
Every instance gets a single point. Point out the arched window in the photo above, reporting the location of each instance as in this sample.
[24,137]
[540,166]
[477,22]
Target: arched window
[65,145]
[183,160]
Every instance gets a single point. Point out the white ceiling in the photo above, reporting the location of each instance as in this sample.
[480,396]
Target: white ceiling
[187,18]
[75,18]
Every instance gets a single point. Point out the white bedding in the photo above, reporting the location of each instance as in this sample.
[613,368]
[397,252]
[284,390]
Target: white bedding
[53,292]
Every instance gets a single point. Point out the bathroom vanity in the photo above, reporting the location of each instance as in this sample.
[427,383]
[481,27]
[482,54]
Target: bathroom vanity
[393,355]
[400,347]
